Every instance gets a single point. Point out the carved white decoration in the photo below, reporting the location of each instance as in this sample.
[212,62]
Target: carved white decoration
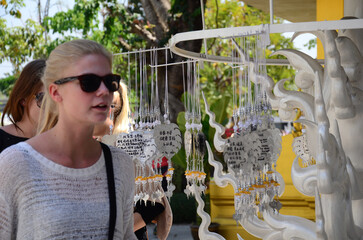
[248,30]
[203,231]
[221,179]
[239,237]
[339,208]
[218,141]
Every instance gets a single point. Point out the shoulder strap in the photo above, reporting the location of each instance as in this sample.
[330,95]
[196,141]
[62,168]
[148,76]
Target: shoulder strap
[111,189]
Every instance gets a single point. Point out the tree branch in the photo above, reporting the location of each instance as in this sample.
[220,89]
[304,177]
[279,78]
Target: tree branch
[145,34]
[125,44]
[39,12]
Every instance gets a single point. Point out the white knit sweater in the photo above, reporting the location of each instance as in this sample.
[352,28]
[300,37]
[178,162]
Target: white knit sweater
[40,199]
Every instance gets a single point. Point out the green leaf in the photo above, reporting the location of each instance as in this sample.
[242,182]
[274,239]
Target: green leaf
[219,108]
[181,121]
[6,84]
[180,159]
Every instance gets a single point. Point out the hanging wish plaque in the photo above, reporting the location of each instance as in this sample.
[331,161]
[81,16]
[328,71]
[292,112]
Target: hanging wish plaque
[252,146]
[168,139]
[300,148]
[109,139]
[265,149]
[234,154]
[149,146]
[188,142]
[276,139]
[132,143]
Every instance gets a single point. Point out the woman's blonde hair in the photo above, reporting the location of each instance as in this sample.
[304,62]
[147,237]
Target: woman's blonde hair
[121,118]
[62,57]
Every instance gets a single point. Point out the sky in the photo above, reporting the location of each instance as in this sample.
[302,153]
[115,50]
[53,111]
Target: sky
[59,5]
[31,12]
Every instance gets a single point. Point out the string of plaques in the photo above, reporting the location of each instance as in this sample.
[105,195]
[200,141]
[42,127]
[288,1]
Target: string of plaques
[253,149]
[152,140]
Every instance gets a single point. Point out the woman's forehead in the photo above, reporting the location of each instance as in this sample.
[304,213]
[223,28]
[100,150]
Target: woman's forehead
[90,63]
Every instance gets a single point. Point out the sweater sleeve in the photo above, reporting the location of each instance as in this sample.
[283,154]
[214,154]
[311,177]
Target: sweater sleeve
[129,230]
[5,219]
[8,182]
[129,207]
[124,168]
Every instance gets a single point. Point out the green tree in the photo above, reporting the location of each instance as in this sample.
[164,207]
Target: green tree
[12,7]
[216,78]
[18,44]
[21,43]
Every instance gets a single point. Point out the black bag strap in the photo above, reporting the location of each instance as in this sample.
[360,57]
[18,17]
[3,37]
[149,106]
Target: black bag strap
[111,189]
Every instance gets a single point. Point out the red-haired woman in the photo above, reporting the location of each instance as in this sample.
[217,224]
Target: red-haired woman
[23,106]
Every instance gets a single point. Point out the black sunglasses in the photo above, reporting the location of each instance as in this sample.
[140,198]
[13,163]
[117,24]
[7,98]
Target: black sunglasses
[39,98]
[91,82]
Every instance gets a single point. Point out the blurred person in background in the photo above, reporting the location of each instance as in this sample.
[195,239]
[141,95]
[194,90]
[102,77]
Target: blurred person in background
[23,106]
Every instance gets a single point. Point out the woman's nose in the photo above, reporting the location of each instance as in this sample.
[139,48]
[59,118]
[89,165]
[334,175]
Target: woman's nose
[103,89]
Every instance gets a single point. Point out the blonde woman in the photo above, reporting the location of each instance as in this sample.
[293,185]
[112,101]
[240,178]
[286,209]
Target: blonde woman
[69,186]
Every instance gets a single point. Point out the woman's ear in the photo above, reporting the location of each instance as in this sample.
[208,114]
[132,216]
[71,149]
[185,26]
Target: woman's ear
[22,102]
[54,93]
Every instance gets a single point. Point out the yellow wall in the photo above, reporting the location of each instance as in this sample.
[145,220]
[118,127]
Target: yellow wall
[328,10]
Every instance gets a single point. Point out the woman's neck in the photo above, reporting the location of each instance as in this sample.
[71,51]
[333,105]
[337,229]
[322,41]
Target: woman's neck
[71,147]
[22,129]
[27,128]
